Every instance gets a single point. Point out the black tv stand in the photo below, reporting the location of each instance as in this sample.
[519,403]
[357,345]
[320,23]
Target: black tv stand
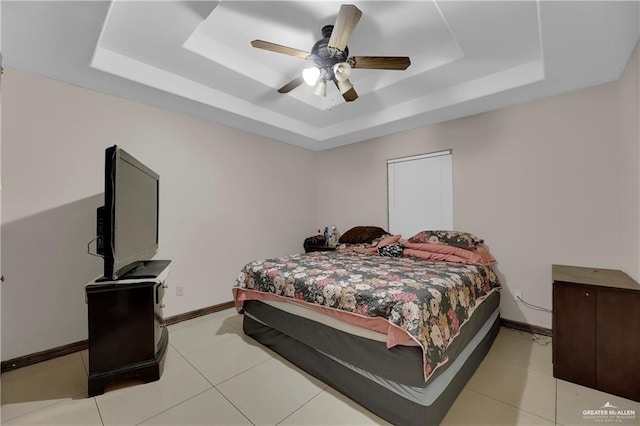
[143,269]
[146,269]
[127,337]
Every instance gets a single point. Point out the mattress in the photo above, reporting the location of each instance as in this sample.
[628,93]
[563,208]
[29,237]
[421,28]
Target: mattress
[331,321]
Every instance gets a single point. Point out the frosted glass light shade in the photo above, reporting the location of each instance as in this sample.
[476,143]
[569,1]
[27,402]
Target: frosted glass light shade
[311,75]
[342,71]
[320,89]
[344,86]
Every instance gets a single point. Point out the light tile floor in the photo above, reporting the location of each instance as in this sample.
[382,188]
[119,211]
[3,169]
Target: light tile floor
[214,375]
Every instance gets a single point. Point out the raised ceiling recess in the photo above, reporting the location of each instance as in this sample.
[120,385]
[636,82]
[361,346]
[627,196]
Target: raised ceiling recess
[197,58]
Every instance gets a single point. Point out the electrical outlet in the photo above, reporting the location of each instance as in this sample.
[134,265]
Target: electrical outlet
[179,291]
[518,296]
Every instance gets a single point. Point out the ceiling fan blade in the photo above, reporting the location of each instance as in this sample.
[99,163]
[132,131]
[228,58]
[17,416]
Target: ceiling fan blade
[291,85]
[261,44]
[346,22]
[349,95]
[382,62]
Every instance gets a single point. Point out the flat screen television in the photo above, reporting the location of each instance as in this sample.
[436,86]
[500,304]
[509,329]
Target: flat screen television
[128,222]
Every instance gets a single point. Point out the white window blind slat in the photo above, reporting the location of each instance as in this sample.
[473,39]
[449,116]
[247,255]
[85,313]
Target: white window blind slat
[420,191]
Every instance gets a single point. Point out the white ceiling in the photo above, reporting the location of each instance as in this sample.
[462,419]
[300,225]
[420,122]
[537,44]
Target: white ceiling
[196,58]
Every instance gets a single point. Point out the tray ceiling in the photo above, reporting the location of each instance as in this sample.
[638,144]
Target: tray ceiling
[196,58]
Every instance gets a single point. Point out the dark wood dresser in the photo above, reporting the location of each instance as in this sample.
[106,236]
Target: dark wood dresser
[127,336]
[596,329]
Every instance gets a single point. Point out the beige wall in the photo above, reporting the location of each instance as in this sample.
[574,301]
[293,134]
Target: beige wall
[227,197]
[539,182]
[552,181]
[629,96]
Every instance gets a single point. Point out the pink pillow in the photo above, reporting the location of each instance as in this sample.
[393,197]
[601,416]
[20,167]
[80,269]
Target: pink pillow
[486,256]
[479,256]
[365,250]
[432,256]
[391,239]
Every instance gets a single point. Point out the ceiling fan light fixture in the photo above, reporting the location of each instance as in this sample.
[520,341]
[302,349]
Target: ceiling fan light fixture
[320,88]
[311,75]
[344,86]
[330,57]
[342,71]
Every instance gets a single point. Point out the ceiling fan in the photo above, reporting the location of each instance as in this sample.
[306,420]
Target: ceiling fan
[330,56]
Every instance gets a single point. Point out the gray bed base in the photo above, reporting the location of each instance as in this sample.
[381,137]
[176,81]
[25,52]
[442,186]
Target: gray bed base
[376,398]
[370,355]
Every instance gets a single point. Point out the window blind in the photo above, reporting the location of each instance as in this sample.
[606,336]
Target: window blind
[420,193]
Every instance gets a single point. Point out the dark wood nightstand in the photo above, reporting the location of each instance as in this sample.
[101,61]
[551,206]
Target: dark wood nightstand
[596,329]
[316,244]
[308,248]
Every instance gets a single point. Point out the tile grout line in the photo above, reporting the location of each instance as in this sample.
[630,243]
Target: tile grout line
[172,407]
[213,386]
[507,360]
[556,405]
[233,405]
[95,401]
[216,343]
[194,367]
[13,419]
[199,393]
[300,407]
[510,405]
[242,372]
[251,368]
[225,380]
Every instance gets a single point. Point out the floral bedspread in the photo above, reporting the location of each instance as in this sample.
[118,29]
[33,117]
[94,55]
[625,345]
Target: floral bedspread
[429,300]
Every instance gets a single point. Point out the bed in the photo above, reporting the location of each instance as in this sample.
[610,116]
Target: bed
[400,335]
